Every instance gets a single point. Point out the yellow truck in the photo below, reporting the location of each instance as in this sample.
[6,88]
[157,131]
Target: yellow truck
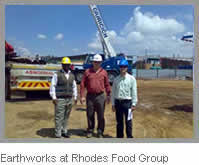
[28,78]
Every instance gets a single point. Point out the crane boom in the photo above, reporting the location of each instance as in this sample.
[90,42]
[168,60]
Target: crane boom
[107,47]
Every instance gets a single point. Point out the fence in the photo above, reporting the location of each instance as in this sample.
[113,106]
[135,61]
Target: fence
[163,73]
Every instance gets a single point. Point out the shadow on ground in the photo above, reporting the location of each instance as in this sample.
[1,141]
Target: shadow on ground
[46,132]
[185,108]
[49,132]
[77,132]
[80,109]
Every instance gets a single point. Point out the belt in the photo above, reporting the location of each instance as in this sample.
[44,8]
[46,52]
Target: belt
[122,100]
[95,94]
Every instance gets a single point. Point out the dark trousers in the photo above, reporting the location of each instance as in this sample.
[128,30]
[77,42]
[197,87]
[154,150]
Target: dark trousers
[95,103]
[122,111]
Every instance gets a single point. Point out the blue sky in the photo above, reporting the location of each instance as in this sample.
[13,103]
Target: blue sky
[64,30]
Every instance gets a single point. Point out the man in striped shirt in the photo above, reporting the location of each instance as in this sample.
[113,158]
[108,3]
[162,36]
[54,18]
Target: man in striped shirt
[124,99]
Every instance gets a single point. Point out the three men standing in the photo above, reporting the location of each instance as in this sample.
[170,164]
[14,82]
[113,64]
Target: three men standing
[63,88]
[124,99]
[95,80]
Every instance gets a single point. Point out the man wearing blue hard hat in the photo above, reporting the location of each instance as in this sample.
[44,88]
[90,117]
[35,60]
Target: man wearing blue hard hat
[124,99]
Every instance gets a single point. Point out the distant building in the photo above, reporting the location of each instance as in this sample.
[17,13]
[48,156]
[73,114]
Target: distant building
[153,63]
[78,58]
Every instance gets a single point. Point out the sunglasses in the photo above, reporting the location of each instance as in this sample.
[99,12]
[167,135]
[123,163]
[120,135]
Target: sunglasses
[97,62]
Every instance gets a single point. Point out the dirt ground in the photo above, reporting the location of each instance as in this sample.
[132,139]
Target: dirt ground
[165,110]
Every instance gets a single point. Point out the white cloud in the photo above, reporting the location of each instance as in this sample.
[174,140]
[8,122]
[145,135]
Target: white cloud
[24,52]
[159,35]
[95,44]
[152,24]
[136,36]
[59,36]
[41,36]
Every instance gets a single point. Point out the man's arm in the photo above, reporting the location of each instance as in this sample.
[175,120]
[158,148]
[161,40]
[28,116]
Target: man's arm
[82,85]
[113,95]
[82,88]
[134,92]
[107,84]
[75,91]
[52,87]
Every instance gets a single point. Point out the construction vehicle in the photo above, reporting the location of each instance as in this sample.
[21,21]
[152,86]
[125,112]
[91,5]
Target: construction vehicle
[22,75]
[29,77]
[110,58]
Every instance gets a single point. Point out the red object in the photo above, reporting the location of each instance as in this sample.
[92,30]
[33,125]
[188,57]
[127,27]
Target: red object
[95,82]
[72,67]
[8,48]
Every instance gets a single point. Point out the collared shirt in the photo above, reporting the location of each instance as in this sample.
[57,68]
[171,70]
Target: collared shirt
[95,82]
[124,88]
[54,83]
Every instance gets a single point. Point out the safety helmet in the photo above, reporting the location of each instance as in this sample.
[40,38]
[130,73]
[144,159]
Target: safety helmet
[97,57]
[66,60]
[123,62]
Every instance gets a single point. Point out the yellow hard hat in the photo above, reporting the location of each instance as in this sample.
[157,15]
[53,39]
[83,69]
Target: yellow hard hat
[66,60]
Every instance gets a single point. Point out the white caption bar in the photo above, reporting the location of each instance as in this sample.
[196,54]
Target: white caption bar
[86,154]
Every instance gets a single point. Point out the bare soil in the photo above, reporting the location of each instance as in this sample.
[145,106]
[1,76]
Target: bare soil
[165,110]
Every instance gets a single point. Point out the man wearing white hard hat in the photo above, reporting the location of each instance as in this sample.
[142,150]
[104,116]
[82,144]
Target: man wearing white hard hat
[95,80]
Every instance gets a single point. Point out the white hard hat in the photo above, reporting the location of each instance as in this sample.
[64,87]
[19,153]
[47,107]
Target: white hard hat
[97,57]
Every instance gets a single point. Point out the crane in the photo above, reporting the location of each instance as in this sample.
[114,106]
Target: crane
[110,58]
[107,47]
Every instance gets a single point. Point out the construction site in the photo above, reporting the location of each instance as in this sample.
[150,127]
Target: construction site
[164,108]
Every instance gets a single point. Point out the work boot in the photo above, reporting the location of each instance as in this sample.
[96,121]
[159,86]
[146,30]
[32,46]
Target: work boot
[66,135]
[56,136]
[89,135]
[100,135]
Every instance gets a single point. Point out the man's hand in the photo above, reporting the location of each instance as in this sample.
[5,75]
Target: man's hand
[108,99]
[54,101]
[113,108]
[82,100]
[133,108]
[75,102]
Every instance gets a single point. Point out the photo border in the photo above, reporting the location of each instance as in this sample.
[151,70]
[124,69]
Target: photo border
[195,4]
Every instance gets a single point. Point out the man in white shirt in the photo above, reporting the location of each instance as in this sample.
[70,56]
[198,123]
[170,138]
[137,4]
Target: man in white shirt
[63,88]
[124,99]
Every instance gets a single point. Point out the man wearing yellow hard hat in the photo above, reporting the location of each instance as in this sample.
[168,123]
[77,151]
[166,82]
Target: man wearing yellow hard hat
[63,88]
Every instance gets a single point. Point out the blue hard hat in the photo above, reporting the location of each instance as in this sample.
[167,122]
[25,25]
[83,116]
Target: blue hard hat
[123,62]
